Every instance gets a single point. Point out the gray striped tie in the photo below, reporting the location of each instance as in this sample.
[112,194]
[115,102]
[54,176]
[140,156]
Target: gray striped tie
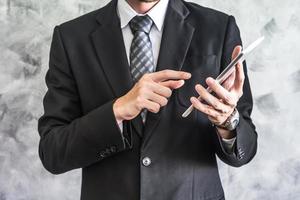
[141,55]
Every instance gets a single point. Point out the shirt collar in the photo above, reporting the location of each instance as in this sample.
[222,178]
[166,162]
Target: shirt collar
[157,13]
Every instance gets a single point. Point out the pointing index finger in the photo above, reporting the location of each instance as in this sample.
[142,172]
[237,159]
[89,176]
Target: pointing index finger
[170,74]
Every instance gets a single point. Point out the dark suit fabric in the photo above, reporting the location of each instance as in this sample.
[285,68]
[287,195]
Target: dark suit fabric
[88,70]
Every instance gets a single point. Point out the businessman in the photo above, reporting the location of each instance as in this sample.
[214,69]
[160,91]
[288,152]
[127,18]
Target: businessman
[118,82]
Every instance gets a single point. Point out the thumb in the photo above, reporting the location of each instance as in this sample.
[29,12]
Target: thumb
[236,51]
[172,84]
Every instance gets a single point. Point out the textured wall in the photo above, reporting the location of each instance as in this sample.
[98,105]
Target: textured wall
[25,30]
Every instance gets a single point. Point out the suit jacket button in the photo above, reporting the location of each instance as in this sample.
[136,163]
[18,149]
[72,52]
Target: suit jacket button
[103,154]
[146,161]
[113,149]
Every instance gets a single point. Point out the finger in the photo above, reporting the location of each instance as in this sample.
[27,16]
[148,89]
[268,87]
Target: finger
[173,84]
[162,101]
[229,82]
[160,89]
[217,120]
[236,51]
[221,92]
[151,106]
[211,100]
[239,79]
[204,108]
[169,74]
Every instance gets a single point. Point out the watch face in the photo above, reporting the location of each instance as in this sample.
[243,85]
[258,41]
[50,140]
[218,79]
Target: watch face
[232,122]
[235,122]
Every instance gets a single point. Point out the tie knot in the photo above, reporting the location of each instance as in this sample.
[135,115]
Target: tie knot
[141,23]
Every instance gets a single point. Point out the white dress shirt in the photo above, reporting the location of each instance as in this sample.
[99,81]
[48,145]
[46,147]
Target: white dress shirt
[157,14]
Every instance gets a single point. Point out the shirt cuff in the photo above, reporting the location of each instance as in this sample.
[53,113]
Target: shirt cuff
[120,124]
[229,144]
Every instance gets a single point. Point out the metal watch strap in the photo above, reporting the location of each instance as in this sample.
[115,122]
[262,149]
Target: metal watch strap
[232,121]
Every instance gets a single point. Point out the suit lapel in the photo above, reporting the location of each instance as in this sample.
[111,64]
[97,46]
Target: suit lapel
[177,35]
[109,46]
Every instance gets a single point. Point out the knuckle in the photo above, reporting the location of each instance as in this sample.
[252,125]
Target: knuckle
[139,85]
[140,92]
[139,100]
[234,104]
[228,98]
[223,115]
[144,84]
[208,111]
[140,106]
[146,77]
[214,114]
[169,92]
[156,108]
[164,101]
[217,118]
[216,105]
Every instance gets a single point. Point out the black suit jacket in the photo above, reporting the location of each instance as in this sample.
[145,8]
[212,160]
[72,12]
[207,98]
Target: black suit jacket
[88,70]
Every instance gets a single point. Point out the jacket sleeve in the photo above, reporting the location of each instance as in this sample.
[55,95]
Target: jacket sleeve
[245,146]
[69,139]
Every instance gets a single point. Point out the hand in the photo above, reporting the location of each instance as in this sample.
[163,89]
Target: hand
[219,108]
[151,92]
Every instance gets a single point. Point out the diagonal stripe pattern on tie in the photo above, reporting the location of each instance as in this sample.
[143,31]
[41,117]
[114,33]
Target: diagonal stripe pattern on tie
[141,54]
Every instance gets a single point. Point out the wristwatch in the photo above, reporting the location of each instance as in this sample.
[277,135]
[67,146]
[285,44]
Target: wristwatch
[232,121]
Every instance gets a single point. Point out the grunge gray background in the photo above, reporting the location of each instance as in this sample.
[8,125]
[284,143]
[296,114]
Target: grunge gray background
[26,28]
